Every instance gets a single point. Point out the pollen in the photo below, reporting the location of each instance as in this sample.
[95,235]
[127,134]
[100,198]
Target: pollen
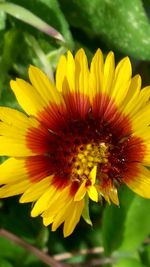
[91,155]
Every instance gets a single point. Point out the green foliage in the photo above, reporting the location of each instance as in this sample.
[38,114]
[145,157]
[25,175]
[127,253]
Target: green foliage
[50,12]
[122,231]
[2,20]
[4,263]
[123,228]
[85,213]
[137,224]
[145,254]
[128,263]
[122,25]
[114,220]
[8,249]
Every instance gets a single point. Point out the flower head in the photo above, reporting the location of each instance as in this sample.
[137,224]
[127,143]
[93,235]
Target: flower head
[81,138]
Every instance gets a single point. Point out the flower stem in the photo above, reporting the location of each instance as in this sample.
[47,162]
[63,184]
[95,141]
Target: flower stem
[40,254]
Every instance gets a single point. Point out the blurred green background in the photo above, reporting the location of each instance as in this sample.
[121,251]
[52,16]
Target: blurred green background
[120,235]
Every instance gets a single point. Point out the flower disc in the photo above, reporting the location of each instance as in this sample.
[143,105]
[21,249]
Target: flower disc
[81,138]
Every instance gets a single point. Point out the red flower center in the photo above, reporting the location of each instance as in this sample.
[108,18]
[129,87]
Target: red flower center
[103,139]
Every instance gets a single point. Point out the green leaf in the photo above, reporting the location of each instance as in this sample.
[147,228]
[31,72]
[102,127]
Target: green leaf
[29,18]
[16,219]
[8,249]
[137,224]
[41,55]
[128,263]
[2,20]
[49,12]
[85,213]
[113,221]
[121,25]
[5,263]
[9,53]
[145,254]
[43,237]
[55,16]
[125,228]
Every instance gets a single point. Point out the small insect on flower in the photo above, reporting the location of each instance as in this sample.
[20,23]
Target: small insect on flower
[77,140]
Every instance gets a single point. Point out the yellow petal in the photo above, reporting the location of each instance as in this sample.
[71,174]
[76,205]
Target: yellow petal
[11,131]
[44,86]
[132,96]
[61,216]
[61,72]
[73,217]
[109,192]
[141,119]
[14,148]
[36,190]
[44,201]
[28,98]
[96,74]
[16,118]
[54,210]
[13,189]
[60,196]
[93,175]
[144,95]
[92,192]
[141,101]
[80,192]
[109,72]
[70,71]
[81,72]
[48,220]
[146,159]
[141,183]
[113,195]
[12,170]
[14,127]
[122,80]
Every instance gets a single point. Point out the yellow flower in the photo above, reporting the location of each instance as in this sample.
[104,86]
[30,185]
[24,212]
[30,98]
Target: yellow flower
[81,138]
